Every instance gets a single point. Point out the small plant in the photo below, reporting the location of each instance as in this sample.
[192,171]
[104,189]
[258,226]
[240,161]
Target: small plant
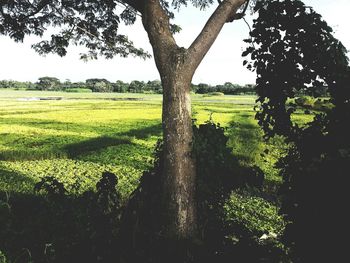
[2,257]
[107,197]
[51,186]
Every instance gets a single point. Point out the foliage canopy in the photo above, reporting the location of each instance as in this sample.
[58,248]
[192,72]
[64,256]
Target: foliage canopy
[293,49]
[93,24]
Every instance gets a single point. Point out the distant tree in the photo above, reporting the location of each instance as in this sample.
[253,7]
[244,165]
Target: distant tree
[78,85]
[249,89]
[229,85]
[7,84]
[136,86]
[99,85]
[67,84]
[13,84]
[194,88]
[30,85]
[203,88]
[48,83]
[154,86]
[120,86]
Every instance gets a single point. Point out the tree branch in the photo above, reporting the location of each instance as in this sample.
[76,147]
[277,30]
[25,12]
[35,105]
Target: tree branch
[138,5]
[156,23]
[211,30]
[239,15]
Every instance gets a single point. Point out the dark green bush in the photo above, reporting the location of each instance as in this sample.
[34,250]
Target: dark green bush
[215,93]
[218,174]
[78,90]
[55,227]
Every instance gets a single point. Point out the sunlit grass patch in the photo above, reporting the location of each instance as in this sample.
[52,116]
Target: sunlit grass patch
[256,214]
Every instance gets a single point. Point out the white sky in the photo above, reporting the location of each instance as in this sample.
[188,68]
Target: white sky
[222,63]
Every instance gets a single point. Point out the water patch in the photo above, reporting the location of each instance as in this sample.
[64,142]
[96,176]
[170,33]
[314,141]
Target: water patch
[39,98]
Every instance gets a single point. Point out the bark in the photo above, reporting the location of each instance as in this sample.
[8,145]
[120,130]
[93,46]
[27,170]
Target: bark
[176,67]
[179,166]
[178,178]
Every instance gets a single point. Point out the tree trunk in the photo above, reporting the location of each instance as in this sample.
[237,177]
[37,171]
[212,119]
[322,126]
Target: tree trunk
[176,67]
[178,182]
[178,177]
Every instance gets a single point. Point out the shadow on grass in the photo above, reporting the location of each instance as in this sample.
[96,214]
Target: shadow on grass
[47,124]
[26,112]
[144,132]
[145,128]
[50,146]
[92,145]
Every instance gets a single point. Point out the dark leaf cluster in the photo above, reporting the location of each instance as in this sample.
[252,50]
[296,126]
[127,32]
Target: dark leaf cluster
[53,226]
[294,51]
[218,173]
[92,24]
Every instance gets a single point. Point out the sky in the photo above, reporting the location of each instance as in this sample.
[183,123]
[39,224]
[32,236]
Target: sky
[223,63]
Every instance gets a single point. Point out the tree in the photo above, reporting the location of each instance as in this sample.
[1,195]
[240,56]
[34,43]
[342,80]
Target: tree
[154,86]
[12,84]
[203,88]
[136,86]
[48,83]
[295,51]
[94,25]
[99,85]
[120,86]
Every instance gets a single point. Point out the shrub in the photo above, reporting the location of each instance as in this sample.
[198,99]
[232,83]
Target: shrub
[305,102]
[56,227]
[78,90]
[212,94]
[2,258]
[311,103]
[218,173]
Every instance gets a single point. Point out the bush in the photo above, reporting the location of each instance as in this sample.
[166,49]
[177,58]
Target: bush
[55,227]
[149,92]
[305,102]
[218,173]
[2,258]
[78,90]
[311,103]
[212,94]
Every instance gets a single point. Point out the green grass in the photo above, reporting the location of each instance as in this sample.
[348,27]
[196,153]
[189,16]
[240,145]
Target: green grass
[81,135]
[75,139]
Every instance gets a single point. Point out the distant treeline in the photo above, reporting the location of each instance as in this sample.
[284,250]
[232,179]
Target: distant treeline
[103,85]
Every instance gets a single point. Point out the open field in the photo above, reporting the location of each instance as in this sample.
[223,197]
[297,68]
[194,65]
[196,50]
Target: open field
[74,137]
[81,135]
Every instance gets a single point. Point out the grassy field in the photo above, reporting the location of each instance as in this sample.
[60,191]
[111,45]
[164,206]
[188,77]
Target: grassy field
[75,137]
